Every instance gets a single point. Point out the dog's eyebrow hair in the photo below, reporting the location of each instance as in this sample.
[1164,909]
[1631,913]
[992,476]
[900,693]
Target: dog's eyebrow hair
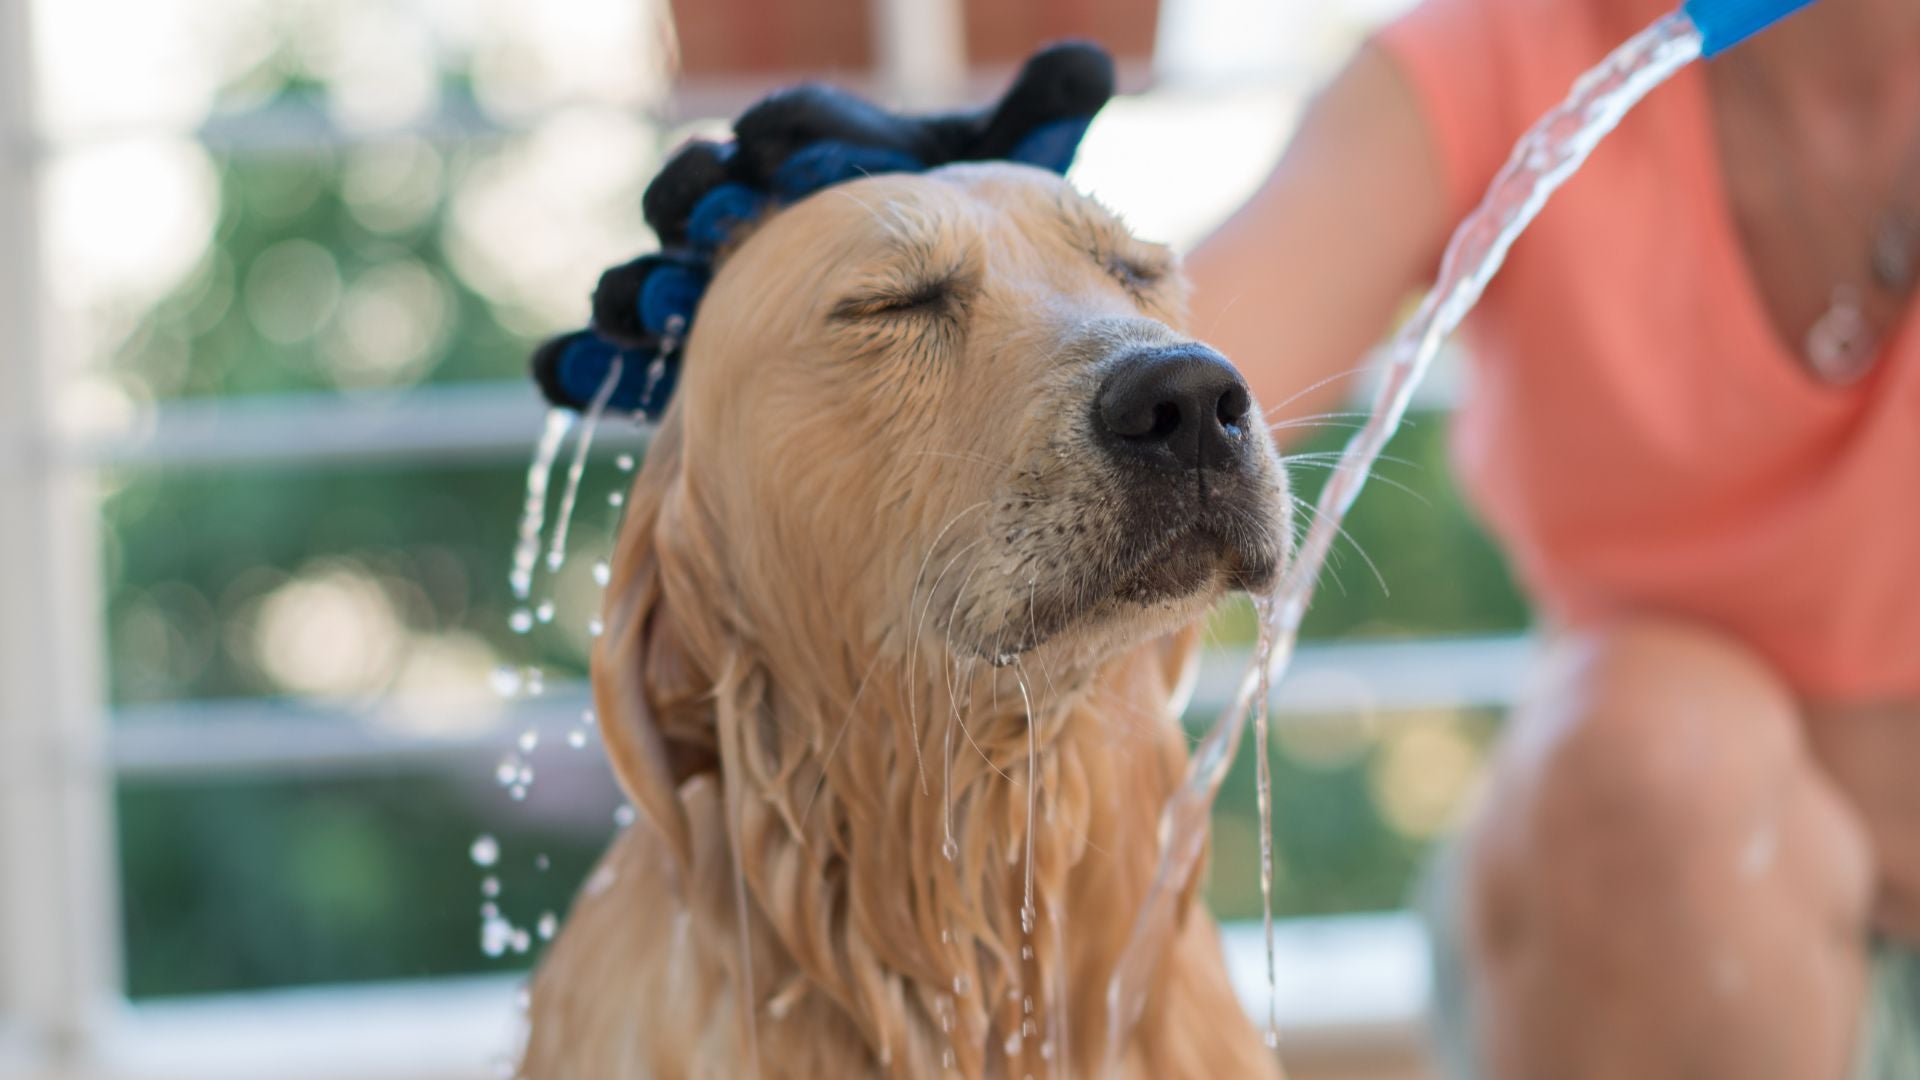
[1094,227]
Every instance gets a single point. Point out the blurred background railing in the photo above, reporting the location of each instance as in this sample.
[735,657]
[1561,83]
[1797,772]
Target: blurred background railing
[268,275]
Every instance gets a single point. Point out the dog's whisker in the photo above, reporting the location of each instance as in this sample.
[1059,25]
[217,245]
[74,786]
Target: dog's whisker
[1341,531]
[971,459]
[1335,465]
[833,749]
[913,646]
[949,846]
[1311,387]
[967,683]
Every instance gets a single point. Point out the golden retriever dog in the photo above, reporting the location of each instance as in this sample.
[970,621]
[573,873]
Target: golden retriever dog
[895,644]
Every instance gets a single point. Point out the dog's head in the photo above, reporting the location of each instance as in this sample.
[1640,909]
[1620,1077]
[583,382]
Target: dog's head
[957,406]
[934,420]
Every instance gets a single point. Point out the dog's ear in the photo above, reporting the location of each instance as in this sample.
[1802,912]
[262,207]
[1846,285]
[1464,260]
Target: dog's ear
[649,684]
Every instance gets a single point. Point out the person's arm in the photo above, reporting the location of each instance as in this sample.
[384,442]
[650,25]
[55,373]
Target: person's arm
[1299,284]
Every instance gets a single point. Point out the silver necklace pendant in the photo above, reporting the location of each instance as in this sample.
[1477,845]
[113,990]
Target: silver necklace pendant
[1893,253]
[1840,345]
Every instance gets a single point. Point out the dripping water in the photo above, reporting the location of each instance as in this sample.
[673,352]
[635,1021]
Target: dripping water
[1543,160]
[1263,797]
[557,551]
[949,847]
[1033,793]
[533,510]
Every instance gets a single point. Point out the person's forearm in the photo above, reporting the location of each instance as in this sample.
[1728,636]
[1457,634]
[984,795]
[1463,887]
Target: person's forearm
[1307,277]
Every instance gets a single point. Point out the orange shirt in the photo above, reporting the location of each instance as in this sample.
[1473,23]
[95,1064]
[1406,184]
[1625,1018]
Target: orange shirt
[1637,435]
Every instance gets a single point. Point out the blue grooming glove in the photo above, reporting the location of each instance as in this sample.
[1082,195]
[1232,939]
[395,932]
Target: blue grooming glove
[790,145]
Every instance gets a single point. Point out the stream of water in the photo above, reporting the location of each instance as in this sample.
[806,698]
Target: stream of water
[1542,160]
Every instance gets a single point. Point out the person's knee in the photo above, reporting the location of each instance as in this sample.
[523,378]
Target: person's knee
[1658,872]
[1654,767]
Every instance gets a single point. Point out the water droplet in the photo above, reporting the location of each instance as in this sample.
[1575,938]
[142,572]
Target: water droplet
[1026,1004]
[623,816]
[587,718]
[506,681]
[624,463]
[946,937]
[595,627]
[541,862]
[548,924]
[577,738]
[1026,952]
[495,935]
[485,850]
[489,909]
[536,681]
[507,773]
[961,984]
[1013,1044]
[616,498]
[950,848]
[522,941]
[533,513]
[517,793]
[1026,919]
[1273,1039]
[520,621]
[489,886]
[544,612]
[529,739]
[602,573]
[602,879]
[946,1058]
[1046,1050]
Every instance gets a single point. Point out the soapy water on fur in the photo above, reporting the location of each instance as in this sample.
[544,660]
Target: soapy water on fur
[1543,159]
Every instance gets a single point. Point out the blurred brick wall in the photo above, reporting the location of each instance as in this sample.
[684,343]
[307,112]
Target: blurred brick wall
[753,37]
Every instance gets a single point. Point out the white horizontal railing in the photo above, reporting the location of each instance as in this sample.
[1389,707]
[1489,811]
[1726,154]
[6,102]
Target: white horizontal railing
[264,736]
[497,419]
[429,425]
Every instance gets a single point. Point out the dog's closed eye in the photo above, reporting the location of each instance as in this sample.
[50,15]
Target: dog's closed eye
[1135,274]
[928,297]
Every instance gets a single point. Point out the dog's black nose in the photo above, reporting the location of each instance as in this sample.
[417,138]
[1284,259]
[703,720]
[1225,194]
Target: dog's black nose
[1180,407]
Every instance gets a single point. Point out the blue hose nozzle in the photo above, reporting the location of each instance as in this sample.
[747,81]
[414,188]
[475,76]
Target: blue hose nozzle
[1726,23]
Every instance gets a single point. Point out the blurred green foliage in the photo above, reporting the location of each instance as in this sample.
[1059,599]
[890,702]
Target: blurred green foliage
[250,883]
